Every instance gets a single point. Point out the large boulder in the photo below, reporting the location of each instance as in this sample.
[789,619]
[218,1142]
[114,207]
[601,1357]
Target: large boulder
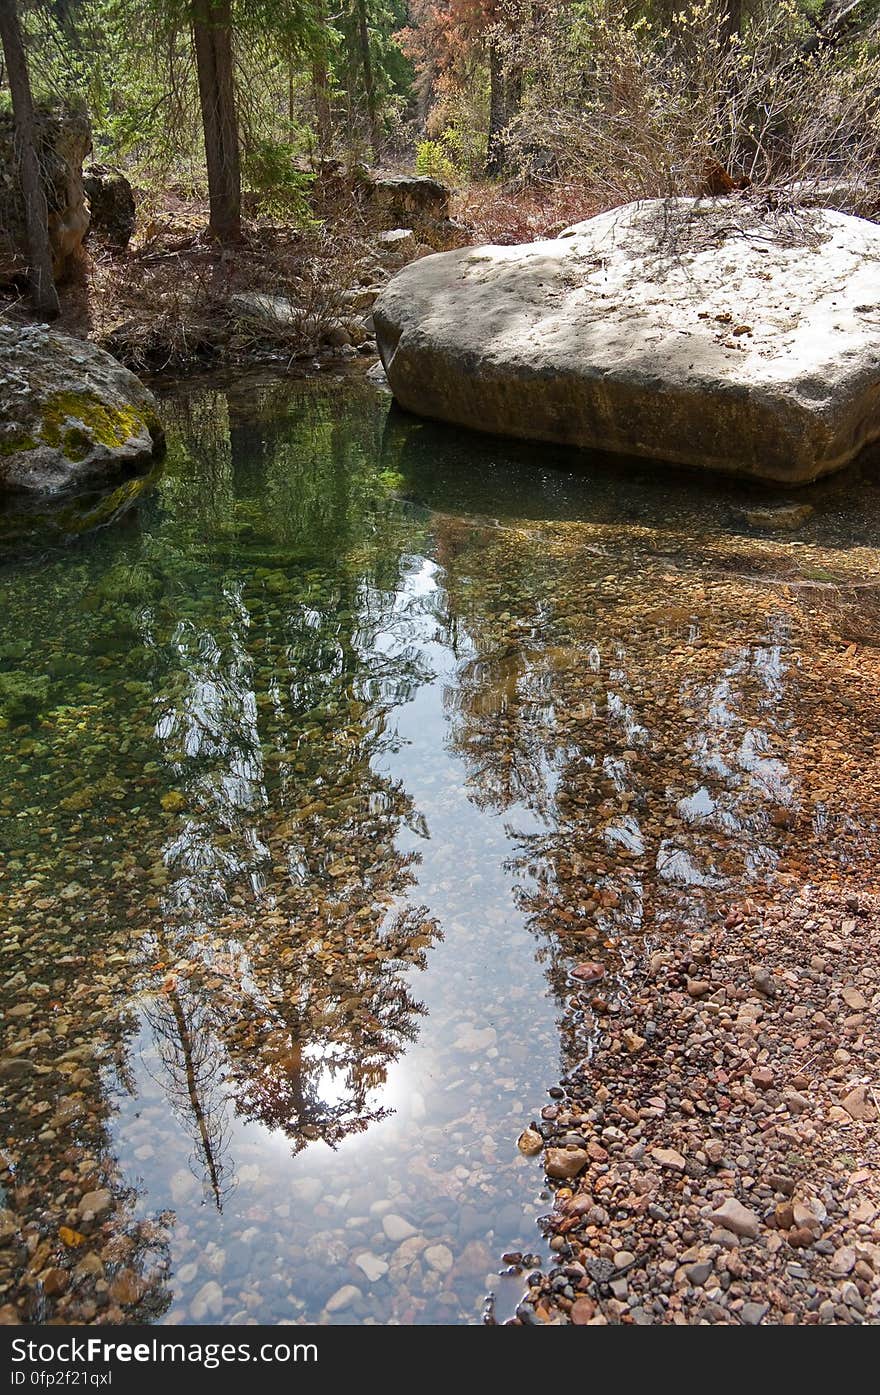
[402,198]
[710,334]
[70,415]
[63,141]
[418,202]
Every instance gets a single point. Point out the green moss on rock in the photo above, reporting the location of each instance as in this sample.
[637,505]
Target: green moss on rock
[76,421]
[76,443]
[16,442]
[23,696]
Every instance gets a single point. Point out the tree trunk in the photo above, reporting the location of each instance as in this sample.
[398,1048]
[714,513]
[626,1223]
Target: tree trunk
[731,19]
[212,37]
[185,1058]
[321,86]
[513,93]
[321,99]
[497,112]
[367,68]
[831,24]
[424,92]
[40,276]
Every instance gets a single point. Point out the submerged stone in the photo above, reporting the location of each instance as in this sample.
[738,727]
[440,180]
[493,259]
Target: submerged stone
[343,1298]
[708,334]
[23,695]
[779,517]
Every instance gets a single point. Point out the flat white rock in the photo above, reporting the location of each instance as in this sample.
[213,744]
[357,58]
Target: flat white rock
[439,1257]
[208,1302]
[342,1298]
[372,1266]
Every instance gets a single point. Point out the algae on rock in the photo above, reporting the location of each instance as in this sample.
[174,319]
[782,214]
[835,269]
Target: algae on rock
[23,696]
[69,413]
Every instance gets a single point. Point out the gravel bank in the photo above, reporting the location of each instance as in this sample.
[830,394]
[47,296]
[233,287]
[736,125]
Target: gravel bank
[724,1133]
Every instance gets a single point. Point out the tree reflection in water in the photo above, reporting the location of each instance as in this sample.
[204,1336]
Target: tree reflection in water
[628,687]
[284,928]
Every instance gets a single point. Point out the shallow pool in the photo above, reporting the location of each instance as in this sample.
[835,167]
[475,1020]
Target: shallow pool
[320,769]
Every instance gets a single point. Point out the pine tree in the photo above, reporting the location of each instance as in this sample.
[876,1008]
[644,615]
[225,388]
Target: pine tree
[213,39]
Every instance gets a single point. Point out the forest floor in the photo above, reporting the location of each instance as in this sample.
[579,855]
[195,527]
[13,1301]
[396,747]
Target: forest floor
[174,301]
[177,301]
[726,1132]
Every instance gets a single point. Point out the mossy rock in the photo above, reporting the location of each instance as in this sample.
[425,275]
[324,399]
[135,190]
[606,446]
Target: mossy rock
[23,696]
[70,415]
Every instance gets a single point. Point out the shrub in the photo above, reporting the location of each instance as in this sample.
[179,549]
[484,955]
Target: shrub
[639,109]
[280,189]
[432,160]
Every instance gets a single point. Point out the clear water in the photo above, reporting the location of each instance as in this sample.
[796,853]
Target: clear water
[320,768]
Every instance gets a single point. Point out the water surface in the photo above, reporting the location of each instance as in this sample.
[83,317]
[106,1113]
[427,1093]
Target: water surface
[321,768]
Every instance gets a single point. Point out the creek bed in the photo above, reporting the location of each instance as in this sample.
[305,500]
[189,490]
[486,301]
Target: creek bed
[321,769]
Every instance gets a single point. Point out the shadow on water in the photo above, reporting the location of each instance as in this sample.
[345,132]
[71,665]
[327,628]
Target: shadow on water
[451,470]
[317,779]
[29,525]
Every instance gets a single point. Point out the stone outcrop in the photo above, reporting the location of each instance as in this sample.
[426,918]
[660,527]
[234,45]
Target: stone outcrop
[408,198]
[70,414]
[417,202]
[111,204]
[63,140]
[392,201]
[709,334]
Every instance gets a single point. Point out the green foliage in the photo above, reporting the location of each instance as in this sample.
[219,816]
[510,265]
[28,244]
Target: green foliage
[392,72]
[281,189]
[131,63]
[458,153]
[432,159]
[464,138]
[632,99]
